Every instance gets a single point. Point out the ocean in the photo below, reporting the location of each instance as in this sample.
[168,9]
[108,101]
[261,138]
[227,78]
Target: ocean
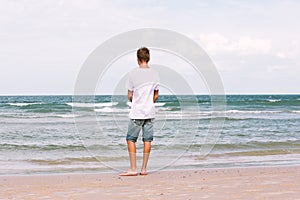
[53,134]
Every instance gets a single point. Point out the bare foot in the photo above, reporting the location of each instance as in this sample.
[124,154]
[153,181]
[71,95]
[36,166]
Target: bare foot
[129,173]
[143,172]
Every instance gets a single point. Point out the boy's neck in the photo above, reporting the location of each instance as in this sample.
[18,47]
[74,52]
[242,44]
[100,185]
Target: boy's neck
[143,65]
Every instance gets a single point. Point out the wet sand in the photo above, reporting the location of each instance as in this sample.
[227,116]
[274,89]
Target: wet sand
[228,183]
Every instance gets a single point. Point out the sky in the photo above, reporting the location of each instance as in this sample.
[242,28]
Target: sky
[255,45]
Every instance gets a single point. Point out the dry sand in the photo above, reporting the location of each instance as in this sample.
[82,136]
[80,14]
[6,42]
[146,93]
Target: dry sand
[229,183]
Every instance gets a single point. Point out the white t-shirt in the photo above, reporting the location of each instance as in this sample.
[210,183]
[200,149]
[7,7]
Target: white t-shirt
[143,82]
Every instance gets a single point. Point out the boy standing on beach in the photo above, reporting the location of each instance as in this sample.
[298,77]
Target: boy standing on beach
[142,88]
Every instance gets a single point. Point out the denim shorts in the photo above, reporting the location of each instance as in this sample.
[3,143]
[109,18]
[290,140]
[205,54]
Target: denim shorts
[135,126]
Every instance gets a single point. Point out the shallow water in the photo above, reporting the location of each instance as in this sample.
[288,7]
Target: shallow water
[53,134]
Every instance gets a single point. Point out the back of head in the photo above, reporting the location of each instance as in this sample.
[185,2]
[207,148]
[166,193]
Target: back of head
[143,54]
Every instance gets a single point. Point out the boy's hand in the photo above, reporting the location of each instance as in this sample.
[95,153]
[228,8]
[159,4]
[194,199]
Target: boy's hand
[155,96]
[130,95]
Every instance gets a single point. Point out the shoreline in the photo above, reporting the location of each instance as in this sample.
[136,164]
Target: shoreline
[95,172]
[264,182]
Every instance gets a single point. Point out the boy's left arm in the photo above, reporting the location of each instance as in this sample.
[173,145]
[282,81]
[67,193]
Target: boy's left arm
[155,96]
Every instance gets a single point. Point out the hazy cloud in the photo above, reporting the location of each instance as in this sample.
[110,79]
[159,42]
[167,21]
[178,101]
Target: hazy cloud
[44,43]
[244,45]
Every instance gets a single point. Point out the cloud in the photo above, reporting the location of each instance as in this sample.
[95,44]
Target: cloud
[44,43]
[292,51]
[244,45]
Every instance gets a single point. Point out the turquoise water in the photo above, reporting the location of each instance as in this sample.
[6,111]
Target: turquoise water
[52,134]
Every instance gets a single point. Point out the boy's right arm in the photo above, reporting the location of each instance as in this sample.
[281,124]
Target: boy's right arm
[130,95]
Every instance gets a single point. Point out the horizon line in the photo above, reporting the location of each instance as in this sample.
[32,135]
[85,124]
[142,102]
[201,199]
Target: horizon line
[159,94]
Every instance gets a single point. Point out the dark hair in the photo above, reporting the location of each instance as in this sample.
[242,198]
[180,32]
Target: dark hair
[143,54]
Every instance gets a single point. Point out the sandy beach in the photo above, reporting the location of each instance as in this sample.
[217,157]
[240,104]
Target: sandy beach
[227,183]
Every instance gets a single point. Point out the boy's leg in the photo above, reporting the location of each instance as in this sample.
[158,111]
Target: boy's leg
[132,155]
[134,128]
[147,149]
[147,138]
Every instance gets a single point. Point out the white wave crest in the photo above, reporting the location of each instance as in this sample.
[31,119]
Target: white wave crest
[251,111]
[164,109]
[274,100]
[156,104]
[111,110]
[159,104]
[92,105]
[22,104]
[67,116]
